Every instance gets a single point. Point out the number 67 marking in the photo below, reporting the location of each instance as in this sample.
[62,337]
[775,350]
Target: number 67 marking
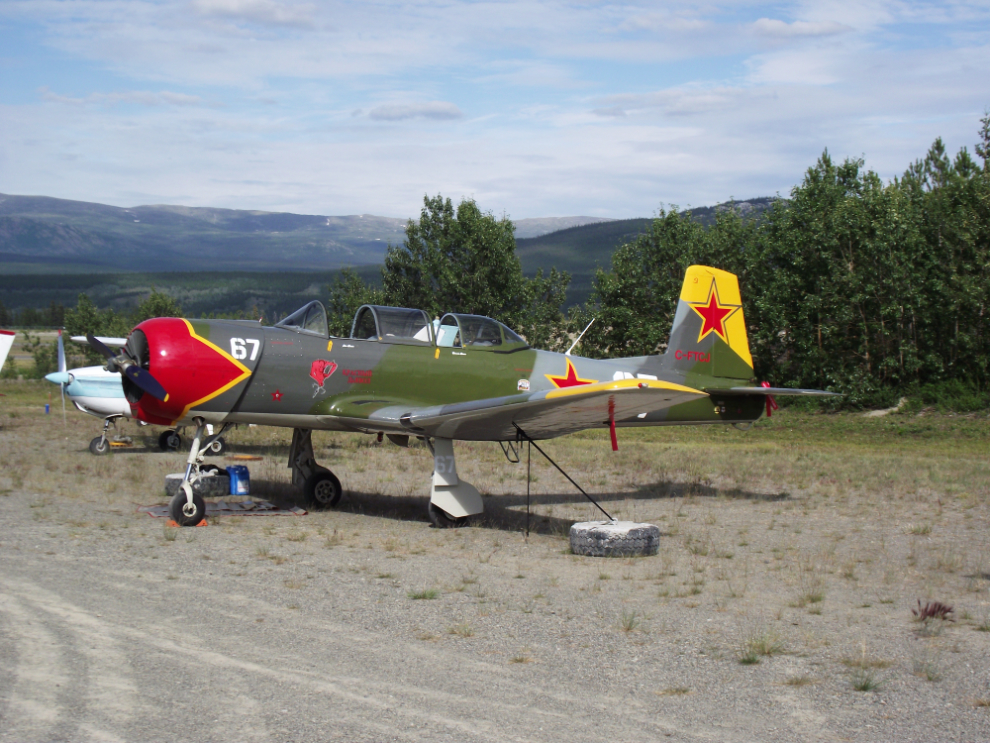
[238,349]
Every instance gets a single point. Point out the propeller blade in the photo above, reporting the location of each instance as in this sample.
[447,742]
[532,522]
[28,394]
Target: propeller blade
[97,345]
[143,379]
[61,353]
[65,421]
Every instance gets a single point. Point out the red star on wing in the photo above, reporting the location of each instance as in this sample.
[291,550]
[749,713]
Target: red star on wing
[277,396]
[571,380]
[714,314]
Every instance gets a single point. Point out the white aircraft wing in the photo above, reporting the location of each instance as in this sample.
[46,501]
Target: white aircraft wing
[542,415]
[112,342]
[6,341]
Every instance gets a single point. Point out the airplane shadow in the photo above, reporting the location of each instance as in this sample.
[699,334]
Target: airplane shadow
[508,512]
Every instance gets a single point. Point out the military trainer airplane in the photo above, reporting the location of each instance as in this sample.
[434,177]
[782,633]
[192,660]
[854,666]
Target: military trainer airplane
[464,377]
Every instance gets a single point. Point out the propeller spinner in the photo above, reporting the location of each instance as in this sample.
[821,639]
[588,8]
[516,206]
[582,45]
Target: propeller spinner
[123,363]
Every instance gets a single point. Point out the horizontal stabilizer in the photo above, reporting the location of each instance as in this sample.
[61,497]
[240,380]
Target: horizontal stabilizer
[770,391]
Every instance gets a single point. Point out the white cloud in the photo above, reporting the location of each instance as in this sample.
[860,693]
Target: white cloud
[136,97]
[439,110]
[575,107]
[262,12]
[781,29]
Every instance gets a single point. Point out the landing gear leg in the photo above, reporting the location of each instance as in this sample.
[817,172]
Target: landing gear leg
[186,507]
[452,501]
[100,445]
[321,488]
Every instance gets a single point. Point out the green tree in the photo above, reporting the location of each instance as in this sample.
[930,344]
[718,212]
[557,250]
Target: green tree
[45,355]
[157,304]
[633,302]
[465,261]
[86,317]
[345,295]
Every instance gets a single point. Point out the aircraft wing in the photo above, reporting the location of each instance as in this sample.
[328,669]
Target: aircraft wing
[6,341]
[112,342]
[542,415]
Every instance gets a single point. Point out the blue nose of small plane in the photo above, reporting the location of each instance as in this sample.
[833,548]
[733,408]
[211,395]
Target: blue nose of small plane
[58,377]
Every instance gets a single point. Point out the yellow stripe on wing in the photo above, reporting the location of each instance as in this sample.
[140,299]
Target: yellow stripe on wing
[622,384]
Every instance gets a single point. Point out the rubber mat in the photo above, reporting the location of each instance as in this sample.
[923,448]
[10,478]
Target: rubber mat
[233,508]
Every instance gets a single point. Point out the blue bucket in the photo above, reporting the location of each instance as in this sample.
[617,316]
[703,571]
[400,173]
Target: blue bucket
[240,480]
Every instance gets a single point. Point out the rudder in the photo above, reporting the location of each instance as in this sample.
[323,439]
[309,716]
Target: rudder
[708,335]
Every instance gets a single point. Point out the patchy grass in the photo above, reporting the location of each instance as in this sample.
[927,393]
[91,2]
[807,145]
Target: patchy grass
[425,594]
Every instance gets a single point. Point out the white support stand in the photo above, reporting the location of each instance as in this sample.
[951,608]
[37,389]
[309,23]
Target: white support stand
[450,494]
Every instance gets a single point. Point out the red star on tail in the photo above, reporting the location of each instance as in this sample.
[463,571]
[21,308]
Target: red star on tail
[714,314]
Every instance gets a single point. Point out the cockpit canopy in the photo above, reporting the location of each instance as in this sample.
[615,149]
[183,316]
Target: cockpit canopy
[311,319]
[458,331]
[373,322]
[392,324]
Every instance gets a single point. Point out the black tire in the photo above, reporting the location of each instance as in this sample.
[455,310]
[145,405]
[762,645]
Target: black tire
[614,539]
[181,517]
[443,520]
[99,446]
[217,448]
[169,441]
[322,491]
[209,468]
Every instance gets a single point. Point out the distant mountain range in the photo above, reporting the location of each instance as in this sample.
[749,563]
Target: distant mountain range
[45,235]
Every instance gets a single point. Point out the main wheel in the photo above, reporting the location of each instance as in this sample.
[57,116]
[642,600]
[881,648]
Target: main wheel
[99,446]
[322,490]
[182,513]
[217,448]
[169,441]
[443,520]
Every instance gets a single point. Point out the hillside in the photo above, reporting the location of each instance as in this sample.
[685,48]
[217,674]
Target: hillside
[39,234]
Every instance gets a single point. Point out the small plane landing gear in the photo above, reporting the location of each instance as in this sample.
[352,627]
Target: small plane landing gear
[452,501]
[443,520]
[321,488]
[187,507]
[185,513]
[170,441]
[217,447]
[101,445]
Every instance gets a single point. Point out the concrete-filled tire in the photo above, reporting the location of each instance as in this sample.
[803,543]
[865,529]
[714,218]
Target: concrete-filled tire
[209,486]
[614,539]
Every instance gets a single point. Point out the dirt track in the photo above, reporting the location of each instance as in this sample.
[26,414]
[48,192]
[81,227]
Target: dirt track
[306,628]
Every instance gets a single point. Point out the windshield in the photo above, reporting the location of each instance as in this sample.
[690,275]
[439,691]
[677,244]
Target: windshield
[312,319]
[459,331]
[373,322]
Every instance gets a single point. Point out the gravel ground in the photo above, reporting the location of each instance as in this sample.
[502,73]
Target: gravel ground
[758,620]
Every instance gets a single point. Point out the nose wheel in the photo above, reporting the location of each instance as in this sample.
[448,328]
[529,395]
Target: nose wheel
[185,512]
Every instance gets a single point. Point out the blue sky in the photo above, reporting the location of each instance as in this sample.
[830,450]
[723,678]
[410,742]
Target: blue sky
[532,108]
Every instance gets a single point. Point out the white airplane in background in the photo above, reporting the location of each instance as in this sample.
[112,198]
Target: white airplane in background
[6,341]
[98,392]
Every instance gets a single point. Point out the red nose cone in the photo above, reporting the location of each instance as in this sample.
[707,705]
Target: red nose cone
[190,368]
